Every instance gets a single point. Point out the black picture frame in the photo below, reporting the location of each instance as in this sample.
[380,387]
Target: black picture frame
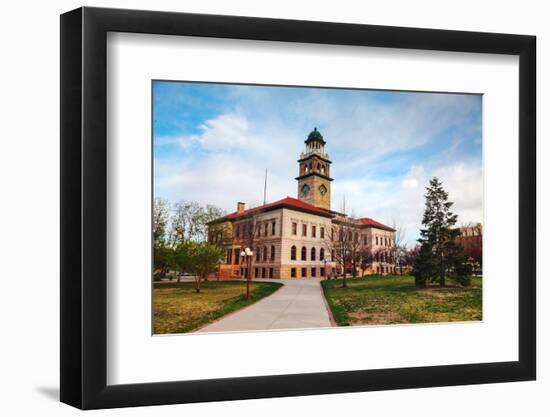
[84,207]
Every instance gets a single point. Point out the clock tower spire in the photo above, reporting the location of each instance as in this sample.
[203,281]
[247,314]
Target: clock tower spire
[314,175]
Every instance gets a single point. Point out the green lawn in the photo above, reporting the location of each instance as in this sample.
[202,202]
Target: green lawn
[178,308]
[395,299]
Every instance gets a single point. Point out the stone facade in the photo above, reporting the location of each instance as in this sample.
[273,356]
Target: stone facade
[300,237]
[314,172]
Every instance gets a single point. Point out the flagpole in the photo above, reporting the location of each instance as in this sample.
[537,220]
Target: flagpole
[265,186]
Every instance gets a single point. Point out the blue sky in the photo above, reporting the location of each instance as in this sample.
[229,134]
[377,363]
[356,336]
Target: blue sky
[213,142]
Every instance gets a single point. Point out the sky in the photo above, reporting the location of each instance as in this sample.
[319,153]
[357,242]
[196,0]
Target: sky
[213,142]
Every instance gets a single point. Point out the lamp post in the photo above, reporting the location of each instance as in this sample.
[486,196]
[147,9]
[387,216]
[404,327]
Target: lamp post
[246,255]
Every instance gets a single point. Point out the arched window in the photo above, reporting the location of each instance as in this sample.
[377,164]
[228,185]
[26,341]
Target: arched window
[265,253]
[318,167]
[322,254]
[293,253]
[272,253]
[322,169]
[304,253]
[313,254]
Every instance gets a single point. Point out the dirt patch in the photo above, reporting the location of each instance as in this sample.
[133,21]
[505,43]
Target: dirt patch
[363,317]
[442,292]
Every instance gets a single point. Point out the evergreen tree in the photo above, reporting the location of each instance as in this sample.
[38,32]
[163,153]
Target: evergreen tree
[440,253]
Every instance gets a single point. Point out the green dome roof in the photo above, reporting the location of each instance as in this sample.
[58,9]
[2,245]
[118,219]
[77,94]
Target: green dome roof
[316,136]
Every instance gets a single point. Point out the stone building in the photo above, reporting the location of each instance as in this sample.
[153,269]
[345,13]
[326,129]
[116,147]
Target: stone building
[302,237]
[471,239]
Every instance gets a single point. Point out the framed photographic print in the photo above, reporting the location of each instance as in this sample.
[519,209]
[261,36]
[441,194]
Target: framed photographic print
[295,207]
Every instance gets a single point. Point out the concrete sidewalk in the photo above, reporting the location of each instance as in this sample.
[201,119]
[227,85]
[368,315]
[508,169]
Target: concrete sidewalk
[298,304]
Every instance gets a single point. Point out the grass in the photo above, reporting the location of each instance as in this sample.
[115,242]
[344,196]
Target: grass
[395,299]
[178,308]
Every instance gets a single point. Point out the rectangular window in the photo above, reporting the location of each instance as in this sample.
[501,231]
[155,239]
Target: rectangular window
[273,229]
[313,272]
[322,272]
[263,272]
[270,272]
[377,240]
[294,228]
[293,272]
[313,231]
[304,272]
[304,230]
[365,240]
[265,229]
[322,232]
[256,272]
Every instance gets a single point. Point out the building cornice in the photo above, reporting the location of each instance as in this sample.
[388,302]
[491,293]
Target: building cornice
[316,155]
[309,174]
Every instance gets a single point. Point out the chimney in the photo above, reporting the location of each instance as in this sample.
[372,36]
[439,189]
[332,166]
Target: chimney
[240,207]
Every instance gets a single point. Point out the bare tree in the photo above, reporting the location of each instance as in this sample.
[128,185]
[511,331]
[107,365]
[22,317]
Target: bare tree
[161,217]
[410,255]
[399,248]
[343,245]
[366,257]
[190,221]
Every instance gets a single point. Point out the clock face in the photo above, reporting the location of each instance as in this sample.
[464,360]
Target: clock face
[305,189]
[323,189]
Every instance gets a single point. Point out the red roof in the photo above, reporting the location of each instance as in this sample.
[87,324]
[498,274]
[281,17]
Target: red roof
[370,222]
[296,204]
[288,202]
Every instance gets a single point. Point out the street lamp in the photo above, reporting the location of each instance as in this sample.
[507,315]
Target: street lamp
[246,255]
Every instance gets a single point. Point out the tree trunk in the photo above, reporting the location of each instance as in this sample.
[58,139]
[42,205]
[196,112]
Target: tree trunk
[344,282]
[198,282]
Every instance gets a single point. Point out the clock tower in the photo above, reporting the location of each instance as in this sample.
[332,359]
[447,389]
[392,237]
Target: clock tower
[314,175]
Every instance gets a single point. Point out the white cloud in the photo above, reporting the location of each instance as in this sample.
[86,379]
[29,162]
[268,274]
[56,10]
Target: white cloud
[237,146]
[401,200]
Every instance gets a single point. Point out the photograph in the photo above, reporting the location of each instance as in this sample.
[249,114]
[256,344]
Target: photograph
[298,207]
